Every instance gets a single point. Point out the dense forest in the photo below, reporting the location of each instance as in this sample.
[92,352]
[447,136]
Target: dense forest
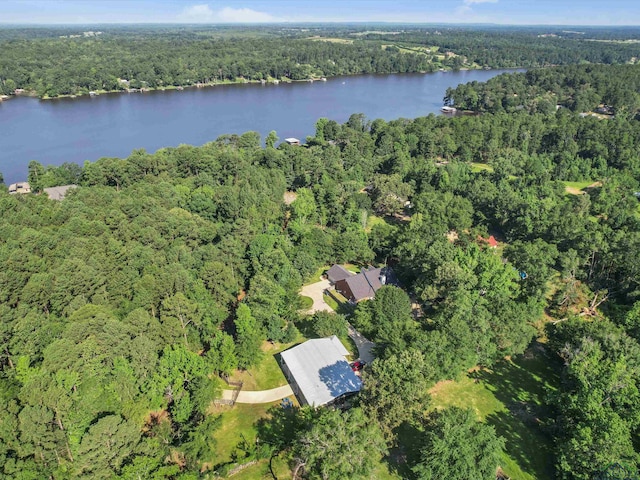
[613,88]
[54,61]
[122,305]
[126,306]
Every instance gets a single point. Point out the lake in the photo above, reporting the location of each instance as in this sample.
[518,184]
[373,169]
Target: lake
[87,128]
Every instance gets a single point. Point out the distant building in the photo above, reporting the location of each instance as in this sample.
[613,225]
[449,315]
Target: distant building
[58,193]
[491,241]
[22,187]
[318,371]
[292,141]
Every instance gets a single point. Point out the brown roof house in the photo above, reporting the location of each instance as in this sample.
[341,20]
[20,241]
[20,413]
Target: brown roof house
[337,273]
[362,286]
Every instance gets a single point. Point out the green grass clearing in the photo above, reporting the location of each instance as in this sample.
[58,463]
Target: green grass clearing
[331,40]
[351,267]
[236,422]
[511,397]
[576,188]
[372,221]
[481,167]
[267,374]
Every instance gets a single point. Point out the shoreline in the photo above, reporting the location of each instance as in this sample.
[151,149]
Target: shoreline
[271,81]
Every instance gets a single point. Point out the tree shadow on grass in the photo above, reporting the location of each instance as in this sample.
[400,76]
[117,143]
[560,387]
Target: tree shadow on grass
[523,386]
[406,453]
[305,326]
[281,427]
[525,444]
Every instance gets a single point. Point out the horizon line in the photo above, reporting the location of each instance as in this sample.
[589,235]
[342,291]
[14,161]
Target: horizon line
[328,22]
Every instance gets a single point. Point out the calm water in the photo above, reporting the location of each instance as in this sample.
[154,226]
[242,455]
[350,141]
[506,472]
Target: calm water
[75,130]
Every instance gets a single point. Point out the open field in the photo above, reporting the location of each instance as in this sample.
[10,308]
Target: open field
[419,50]
[575,188]
[372,221]
[481,167]
[331,40]
[511,397]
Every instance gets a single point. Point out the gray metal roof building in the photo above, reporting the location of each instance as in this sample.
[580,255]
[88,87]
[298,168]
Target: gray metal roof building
[319,372]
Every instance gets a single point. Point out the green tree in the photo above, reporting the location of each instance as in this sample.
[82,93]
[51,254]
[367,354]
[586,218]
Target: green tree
[397,388]
[271,139]
[106,446]
[179,317]
[457,446]
[248,337]
[325,324]
[340,445]
[35,177]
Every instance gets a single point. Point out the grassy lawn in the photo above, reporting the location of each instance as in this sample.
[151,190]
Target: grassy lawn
[305,302]
[266,374]
[237,421]
[510,397]
[351,267]
[575,188]
[372,221]
[317,276]
[331,302]
[480,167]
[331,40]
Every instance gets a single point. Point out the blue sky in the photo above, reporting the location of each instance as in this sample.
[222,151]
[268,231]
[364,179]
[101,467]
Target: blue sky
[566,12]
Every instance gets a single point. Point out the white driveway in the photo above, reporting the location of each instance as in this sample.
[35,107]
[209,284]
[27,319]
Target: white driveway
[364,346]
[316,291]
[259,396]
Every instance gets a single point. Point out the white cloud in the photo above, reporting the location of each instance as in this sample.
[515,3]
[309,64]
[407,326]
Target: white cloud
[247,15]
[203,13]
[471,2]
[197,13]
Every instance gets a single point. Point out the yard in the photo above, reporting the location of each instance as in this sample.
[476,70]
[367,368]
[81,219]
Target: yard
[266,374]
[578,188]
[511,397]
[481,167]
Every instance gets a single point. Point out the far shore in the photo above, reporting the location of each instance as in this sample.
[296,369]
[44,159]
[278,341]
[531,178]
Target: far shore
[239,81]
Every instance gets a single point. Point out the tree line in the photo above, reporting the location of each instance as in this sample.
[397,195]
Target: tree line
[580,88]
[63,66]
[54,61]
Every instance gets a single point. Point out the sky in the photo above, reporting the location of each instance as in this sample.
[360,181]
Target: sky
[510,12]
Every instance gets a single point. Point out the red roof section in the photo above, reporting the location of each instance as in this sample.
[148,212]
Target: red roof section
[493,243]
